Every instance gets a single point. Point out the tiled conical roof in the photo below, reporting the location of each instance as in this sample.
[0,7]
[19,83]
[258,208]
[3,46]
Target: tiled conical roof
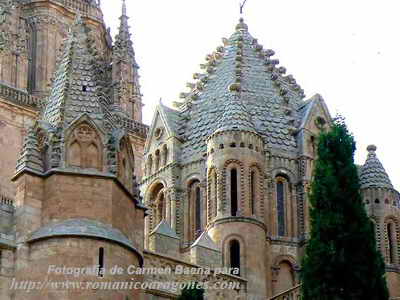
[235,116]
[372,173]
[75,87]
[243,67]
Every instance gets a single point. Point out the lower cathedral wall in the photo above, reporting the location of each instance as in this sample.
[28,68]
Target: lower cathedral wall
[13,121]
[251,238]
[43,261]
[226,286]
[393,282]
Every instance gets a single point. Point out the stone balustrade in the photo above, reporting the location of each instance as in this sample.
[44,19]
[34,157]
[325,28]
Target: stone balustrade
[86,8]
[291,294]
[6,201]
[135,127]
[17,96]
[231,287]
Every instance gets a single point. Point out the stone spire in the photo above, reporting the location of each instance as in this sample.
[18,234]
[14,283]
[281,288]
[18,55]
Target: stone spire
[30,158]
[75,87]
[123,46]
[125,71]
[372,173]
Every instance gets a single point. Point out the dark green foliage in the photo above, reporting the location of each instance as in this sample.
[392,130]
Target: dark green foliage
[341,260]
[192,293]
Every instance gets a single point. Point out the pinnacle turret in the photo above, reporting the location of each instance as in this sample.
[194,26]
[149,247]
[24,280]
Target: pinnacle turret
[75,89]
[123,46]
[373,173]
[30,157]
[125,75]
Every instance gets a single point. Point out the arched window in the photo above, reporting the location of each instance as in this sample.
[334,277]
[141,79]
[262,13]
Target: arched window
[215,195]
[84,148]
[280,204]
[390,241]
[165,152]
[285,278]
[234,254]
[101,262]
[160,208]
[157,201]
[253,192]
[234,192]
[150,165]
[196,210]
[312,142]
[157,160]
[211,195]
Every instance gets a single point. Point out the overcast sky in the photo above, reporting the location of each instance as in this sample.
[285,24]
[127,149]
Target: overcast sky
[347,51]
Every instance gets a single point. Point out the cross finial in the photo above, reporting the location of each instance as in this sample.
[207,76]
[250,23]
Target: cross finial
[242,4]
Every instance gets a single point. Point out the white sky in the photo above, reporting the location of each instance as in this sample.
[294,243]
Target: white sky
[346,50]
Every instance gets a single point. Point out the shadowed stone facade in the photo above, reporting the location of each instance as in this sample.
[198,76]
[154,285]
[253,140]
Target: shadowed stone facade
[224,175]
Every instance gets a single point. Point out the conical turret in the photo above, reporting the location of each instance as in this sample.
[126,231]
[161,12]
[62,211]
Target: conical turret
[373,173]
[75,89]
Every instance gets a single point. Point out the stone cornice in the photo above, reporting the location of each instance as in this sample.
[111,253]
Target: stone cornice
[242,219]
[71,172]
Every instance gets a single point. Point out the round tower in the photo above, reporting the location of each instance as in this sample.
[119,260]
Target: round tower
[235,165]
[383,206]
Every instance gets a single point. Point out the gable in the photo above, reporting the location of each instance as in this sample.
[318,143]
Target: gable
[158,133]
[316,115]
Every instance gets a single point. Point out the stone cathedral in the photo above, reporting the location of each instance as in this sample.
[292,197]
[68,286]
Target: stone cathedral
[218,183]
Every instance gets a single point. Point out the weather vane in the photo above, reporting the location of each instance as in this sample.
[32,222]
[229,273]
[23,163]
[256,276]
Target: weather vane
[242,4]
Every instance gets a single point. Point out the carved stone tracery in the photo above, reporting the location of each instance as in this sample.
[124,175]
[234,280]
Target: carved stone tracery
[84,148]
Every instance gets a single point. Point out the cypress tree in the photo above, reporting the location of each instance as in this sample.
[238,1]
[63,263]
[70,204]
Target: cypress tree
[341,259]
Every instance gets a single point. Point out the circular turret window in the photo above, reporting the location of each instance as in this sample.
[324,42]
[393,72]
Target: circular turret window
[320,122]
[158,133]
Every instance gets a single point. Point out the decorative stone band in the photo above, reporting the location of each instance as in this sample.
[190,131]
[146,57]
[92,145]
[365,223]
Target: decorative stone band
[83,172]
[392,268]
[84,228]
[86,8]
[237,219]
[17,96]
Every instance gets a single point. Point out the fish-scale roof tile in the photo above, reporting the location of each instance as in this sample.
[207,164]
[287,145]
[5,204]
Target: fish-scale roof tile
[373,173]
[74,89]
[262,100]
